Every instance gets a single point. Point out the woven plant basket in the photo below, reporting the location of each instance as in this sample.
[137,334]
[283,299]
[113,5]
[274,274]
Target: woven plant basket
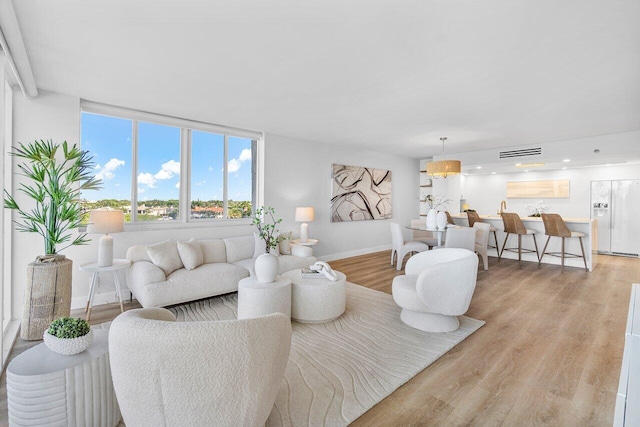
[47,294]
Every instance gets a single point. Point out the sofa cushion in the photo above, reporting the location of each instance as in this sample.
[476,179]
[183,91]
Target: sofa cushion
[182,286]
[239,248]
[213,250]
[190,254]
[165,255]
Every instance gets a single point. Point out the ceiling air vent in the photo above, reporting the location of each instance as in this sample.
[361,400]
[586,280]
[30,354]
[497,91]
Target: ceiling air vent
[524,152]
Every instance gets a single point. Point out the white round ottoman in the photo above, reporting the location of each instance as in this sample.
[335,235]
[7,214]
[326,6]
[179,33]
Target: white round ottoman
[256,299]
[316,300]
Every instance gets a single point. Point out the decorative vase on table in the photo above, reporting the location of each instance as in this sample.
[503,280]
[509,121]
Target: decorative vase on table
[441,220]
[432,219]
[266,267]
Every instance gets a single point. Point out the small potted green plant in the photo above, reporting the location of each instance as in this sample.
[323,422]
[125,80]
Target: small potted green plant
[68,335]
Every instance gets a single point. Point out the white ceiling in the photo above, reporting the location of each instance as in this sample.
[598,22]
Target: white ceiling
[392,76]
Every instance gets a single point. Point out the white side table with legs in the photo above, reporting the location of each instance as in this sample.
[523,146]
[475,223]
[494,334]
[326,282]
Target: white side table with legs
[118,264]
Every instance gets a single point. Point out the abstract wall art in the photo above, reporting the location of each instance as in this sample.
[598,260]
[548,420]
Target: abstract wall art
[360,193]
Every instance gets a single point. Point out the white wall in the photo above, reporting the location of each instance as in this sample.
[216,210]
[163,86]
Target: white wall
[484,192]
[297,173]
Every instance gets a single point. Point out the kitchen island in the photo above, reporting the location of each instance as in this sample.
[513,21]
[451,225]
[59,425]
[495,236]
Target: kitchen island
[583,225]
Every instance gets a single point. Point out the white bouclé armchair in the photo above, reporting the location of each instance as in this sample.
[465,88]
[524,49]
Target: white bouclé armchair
[436,288]
[222,373]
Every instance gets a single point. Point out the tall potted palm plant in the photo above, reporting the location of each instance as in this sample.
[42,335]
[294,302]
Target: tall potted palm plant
[56,174]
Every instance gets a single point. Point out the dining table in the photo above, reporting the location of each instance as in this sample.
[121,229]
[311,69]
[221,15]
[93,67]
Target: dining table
[438,231]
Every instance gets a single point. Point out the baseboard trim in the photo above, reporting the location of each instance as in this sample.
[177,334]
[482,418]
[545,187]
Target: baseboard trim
[100,299]
[357,252]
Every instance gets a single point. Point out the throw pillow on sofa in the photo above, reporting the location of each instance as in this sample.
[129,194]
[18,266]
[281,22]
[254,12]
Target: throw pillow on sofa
[190,254]
[285,244]
[165,255]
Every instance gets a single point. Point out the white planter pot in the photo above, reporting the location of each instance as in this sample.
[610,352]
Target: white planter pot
[266,268]
[431,219]
[68,346]
[441,220]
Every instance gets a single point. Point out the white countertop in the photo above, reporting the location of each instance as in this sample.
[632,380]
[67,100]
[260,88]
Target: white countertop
[525,218]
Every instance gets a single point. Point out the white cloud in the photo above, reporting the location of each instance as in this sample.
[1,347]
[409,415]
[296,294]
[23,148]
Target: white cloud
[234,165]
[245,155]
[141,190]
[147,179]
[107,171]
[168,170]
[178,184]
[200,183]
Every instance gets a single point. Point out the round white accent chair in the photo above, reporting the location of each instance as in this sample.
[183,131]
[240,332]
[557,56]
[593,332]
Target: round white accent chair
[222,373]
[437,287]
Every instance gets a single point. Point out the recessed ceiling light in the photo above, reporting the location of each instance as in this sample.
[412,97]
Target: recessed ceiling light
[566,160]
[493,173]
[478,167]
[526,170]
[529,165]
[564,168]
[608,164]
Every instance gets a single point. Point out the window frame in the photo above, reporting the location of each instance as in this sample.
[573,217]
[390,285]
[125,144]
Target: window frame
[186,127]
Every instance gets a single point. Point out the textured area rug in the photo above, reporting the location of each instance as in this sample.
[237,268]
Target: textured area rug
[339,370]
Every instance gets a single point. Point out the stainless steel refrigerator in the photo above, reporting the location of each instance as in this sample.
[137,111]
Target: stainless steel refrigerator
[616,206]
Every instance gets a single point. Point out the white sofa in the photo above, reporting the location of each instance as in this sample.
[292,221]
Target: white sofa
[225,263]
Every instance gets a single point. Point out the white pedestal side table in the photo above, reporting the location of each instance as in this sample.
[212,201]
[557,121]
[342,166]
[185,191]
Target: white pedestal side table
[301,249]
[118,264]
[257,299]
[317,300]
[50,389]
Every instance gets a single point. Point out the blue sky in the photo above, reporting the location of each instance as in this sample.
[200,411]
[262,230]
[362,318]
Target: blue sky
[108,139]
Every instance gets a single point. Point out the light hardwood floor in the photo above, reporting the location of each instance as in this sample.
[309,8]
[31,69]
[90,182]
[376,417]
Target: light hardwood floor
[550,353]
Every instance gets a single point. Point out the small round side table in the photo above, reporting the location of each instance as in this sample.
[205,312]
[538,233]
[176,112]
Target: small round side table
[118,264]
[257,299]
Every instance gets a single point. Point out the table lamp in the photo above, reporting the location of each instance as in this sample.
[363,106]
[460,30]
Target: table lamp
[303,215]
[105,222]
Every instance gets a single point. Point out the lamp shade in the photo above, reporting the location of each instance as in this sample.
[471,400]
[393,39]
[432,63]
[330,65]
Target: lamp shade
[443,168]
[105,221]
[304,214]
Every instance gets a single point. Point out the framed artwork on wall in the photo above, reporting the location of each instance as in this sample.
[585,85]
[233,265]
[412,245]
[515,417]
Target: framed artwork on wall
[359,193]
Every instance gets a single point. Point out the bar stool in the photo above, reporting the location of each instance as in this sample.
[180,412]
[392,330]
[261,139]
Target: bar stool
[554,226]
[513,225]
[449,219]
[473,217]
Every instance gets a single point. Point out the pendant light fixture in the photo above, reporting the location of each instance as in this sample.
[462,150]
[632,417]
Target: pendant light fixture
[443,168]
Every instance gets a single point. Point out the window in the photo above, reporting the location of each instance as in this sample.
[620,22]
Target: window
[157,168]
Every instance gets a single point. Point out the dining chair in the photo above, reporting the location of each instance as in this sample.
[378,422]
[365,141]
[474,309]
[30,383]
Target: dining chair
[554,226]
[400,247]
[513,225]
[473,217]
[482,241]
[426,237]
[461,237]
